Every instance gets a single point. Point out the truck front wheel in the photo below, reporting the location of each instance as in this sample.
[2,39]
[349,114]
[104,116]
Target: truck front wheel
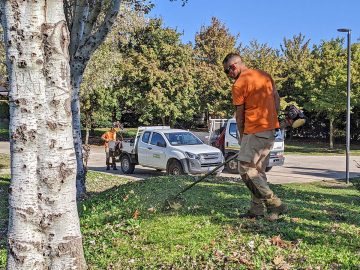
[232,166]
[126,166]
[175,168]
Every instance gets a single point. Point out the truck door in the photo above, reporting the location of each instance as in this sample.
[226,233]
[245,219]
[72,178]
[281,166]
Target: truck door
[231,140]
[157,151]
[152,151]
[143,148]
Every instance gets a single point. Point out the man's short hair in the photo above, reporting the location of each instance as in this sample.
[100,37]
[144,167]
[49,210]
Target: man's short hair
[231,57]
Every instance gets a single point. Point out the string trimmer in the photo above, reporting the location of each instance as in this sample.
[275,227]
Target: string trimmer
[176,202]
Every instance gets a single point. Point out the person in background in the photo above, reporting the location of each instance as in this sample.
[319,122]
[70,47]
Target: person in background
[257,105]
[110,136]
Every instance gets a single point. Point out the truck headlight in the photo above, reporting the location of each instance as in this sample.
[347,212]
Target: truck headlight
[192,156]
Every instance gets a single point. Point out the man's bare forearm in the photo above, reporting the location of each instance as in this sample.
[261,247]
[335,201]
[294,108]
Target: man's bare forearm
[240,119]
[276,98]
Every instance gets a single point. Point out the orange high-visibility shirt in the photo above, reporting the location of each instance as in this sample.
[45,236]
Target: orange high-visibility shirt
[254,90]
[109,136]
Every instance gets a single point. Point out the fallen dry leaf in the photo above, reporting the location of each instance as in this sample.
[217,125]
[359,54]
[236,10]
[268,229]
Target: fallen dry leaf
[126,198]
[218,253]
[246,262]
[176,206]
[285,266]
[251,244]
[295,219]
[277,241]
[151,210]
[136,214]
[278,260]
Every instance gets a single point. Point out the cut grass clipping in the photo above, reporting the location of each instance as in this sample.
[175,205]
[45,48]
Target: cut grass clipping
[124,228]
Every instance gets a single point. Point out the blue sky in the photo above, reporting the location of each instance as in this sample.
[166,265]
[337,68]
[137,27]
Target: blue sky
[264,20]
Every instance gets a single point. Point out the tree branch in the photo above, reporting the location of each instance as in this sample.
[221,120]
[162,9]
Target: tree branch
[95,9]
[77,27]
[69,9]
[90,44]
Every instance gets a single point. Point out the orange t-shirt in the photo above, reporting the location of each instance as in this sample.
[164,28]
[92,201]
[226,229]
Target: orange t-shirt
[254,89]
[109,136]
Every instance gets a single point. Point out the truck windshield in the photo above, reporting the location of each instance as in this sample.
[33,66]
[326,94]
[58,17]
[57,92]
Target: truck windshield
[182,138]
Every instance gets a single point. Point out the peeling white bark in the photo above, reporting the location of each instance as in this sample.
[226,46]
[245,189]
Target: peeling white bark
[44,231]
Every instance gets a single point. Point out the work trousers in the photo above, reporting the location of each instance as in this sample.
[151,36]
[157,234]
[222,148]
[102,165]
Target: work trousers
[253,159]
[110,154]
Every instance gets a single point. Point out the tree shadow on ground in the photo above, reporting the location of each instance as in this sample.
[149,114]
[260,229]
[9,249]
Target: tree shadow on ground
[4,187]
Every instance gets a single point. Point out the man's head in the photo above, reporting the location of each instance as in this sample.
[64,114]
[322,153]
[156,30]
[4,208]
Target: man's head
[233,65]
[114,127]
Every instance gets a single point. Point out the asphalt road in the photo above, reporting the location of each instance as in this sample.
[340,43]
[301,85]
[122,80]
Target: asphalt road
[297,168]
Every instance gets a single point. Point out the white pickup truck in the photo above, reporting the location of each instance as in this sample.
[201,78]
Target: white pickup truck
[174,150]
[223,135]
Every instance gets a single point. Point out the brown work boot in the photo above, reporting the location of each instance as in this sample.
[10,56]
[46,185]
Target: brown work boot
[276,211]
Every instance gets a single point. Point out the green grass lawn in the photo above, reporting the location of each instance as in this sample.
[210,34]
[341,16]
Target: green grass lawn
[304,147]
[4,132]
[124,226]
[4,185]
[4,161]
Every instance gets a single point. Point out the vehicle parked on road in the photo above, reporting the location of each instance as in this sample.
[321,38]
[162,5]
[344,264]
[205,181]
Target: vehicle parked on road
[175,150]
[223,135]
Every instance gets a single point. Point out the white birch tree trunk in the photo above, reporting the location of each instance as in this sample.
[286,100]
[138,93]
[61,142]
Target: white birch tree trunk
[44,231]
[87,33]
[76,122]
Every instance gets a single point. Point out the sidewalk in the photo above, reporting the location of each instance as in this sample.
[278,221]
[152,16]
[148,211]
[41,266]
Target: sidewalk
[297,168]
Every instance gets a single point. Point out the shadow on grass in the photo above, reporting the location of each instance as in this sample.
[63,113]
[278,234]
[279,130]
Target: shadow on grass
[4,186]
[317,207]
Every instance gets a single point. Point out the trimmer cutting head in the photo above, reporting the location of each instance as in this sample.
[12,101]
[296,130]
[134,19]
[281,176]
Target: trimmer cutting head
[294,117]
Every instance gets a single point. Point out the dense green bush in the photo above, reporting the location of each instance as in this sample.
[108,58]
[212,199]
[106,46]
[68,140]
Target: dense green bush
[356,183]
[4,109]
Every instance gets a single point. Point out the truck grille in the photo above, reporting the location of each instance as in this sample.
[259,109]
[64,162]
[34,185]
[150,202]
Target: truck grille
[210,165]
[210,159]
[209,156]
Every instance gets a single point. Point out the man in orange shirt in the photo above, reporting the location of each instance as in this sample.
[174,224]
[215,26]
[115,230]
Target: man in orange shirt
[257,104]
[109,136]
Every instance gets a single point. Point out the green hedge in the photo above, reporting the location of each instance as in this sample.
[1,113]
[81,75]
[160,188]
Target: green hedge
[4,109]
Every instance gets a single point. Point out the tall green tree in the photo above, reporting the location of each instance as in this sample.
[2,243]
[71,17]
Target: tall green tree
[262,56]
[212,44]
[296,71]
[328,87]
[355,91]
[158,81]
[98,97]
